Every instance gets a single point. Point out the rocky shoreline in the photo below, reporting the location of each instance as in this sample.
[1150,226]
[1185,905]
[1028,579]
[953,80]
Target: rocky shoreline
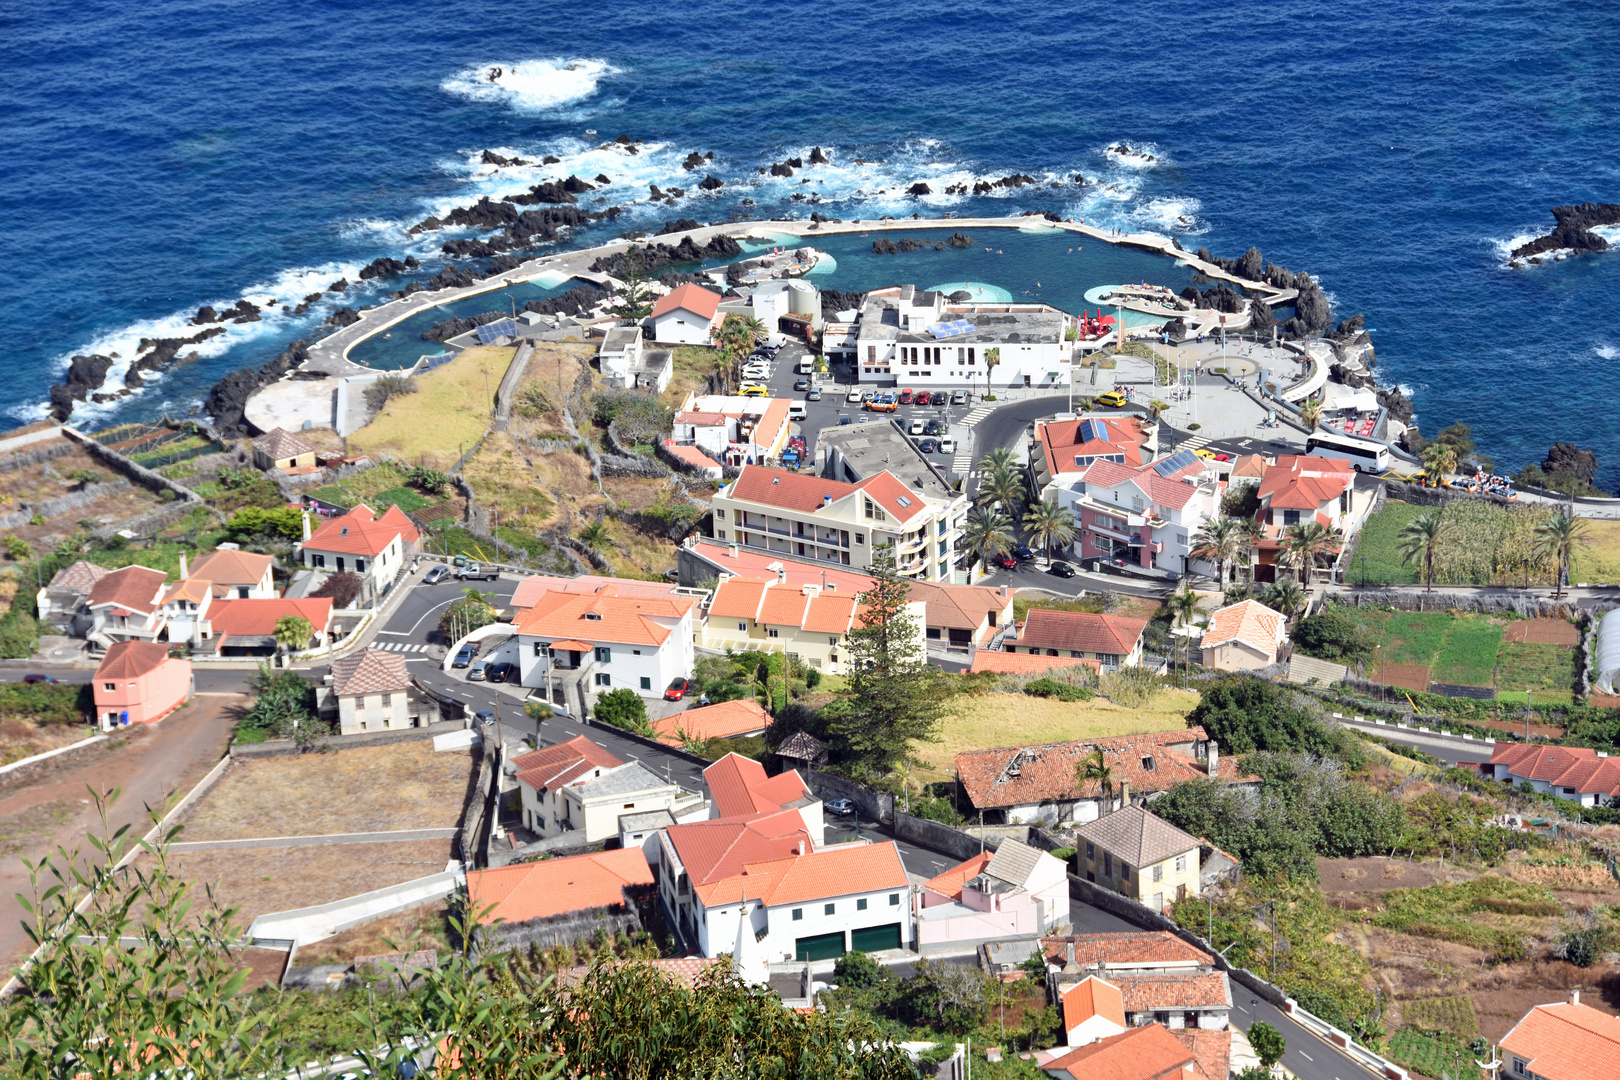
[1572,233]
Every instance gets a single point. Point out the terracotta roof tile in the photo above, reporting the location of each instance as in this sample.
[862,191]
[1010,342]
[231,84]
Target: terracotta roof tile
[951,881]
[560,762]
[553,886]
[132,659]
[81,576]
[890,492]
[1079,631]
[726,720]
[1090,997]
[739,786]
[530,589]
[257,618]
[701,419]
[370,671]
[1130,948]
[1250,622]
[1061,441]
[691,455]
[1567,1042]
[280,444]
[603,616]
[1577,767]
[787,490]
[738,598]
[1212,1048]
[1137,836]
[1024,664]
[1194,990]
[1296,482]
[719,848]
[815,875]
[134,587]
[194,588]
[690,297]
[1149,1052]
[363,532]
[232,567]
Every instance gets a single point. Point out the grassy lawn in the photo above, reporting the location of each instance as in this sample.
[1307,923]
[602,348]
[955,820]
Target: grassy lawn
[978,721]
[1091,604]
[447,414]
[1415,637]
[693,363]
[1468,657]
[1376,558]
[1523,665]
[1597,561]
[1537,697]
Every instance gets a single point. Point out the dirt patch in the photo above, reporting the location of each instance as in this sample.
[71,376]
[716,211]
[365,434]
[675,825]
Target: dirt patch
[1604,701]
[372,789]
[387,934]
[1592,879]
[1546,731]
[263,880]
[1543,632]
[1374,875]
[1405,676]
[1499,1010]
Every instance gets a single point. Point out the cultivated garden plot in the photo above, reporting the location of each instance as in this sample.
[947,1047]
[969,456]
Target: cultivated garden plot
[1512,657]
[1485,544]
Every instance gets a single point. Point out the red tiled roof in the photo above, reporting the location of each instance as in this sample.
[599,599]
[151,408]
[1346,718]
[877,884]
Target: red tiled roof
[561,762]
[132,659]
[1060,441]
[1022,664]
[1194,990]
[1577,767]
[719,848]
[726,720]
[195,589]
[1079,631]
[1129,948]
[1149,1052]
[836,871]
[279,444]
[1567,1042]
[134,587]
[81,576]
[530,589]
[232,567]
[1175,491]
[787,490]
[363,532]
[951,881]
[739,786]
[1296,482]
[370,671]
[690,297]
[1029,775]
[691,455]
[1212,1048]
[1248,621]
[602,616]
[1090,997]
[258,618]
[553,886]
[890,492]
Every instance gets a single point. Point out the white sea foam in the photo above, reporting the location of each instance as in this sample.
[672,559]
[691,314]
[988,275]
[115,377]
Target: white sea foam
[1606,351]
[1134,155]
[1170,215]
[530,86]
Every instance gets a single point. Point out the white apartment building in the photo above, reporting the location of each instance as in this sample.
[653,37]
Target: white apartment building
[604,641]
[811,517]
[912,337]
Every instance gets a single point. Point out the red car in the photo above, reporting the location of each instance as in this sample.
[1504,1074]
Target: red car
[1005,561]
[677,689]
[905,397]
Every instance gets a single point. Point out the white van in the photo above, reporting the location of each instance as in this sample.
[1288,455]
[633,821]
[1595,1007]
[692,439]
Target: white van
[797,411]
[807,366]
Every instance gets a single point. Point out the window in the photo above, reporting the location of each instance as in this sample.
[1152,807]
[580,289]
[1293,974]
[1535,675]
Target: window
[635,652]
[604,655]
[388,701]
[646,683]
[1290,517]
[1181,863]
[1108,863]
[360,566]
[829,909]
[629,806]
[772,633]
[1091,850]
[860,905]
[109,686]
[742,626]
[798,913]
[832,639]
[1158,872]
[871,356]
[1147,763]
[320,561]
[539,648]
[721,534]
[860,538]
[603,679]
[894,899]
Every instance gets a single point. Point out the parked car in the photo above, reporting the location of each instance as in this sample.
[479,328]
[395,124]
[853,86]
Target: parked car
[801,384]
[959,397]
[933,427]
[479,671]
[503,672]
[883,403]
[436,575]
[940,397]
[677,689]
[36,677]
[1061,569]
[1005,561]
[477,572]
[916,427]
[855,396]
[1113,399]
[947,446]
[814,394]
[797,411]
[754,390]
[1212,455]
[842,420]
[927,446]
[464,655]
[1023,553]
[484,716]
[906,396]
[841,807]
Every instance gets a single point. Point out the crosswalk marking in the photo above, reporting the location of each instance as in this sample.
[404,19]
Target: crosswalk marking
[1197,442]
[399,646]
[976,415]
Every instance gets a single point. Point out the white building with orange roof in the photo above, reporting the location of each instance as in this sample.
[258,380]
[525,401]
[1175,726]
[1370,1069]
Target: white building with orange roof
[809,622]
[1245,636]
[372,545]
[1577,773]
[835,522]
[724,720]
[1144,515]
[1563,1041]
[234,573]
[126,605]
[736,430]
[686,315]
[1297,489]
[604,640]
[1067,448]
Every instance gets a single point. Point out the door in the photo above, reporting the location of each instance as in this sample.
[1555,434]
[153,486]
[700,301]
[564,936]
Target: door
[874,938]
[820,947]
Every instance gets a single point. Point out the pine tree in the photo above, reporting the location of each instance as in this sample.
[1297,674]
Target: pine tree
[894,696]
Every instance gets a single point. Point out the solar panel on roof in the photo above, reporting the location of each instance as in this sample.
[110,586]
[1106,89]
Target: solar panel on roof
[1175,462]
[499,329]
[1093,429]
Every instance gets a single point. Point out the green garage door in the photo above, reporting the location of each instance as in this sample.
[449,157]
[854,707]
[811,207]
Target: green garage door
[820,947]
[874,938]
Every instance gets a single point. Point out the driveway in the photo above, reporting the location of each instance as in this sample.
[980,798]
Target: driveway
[56,810]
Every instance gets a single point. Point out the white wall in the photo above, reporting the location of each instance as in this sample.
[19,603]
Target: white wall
[717,928]
[680,327]
[627,665]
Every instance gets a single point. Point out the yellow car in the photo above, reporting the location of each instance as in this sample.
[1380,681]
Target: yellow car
[1113,399]
[754,390]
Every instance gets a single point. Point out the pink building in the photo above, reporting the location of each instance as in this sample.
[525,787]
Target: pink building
[138,682]
[1146,516]
[1017,891]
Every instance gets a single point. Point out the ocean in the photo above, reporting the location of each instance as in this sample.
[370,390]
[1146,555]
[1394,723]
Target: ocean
[173,154]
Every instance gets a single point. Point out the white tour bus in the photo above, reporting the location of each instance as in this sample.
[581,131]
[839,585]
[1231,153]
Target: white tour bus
[1364,456]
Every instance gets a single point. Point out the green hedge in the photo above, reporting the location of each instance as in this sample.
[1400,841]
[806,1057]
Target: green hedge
[43,703]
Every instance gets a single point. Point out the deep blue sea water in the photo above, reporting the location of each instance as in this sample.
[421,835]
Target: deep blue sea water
[170,154]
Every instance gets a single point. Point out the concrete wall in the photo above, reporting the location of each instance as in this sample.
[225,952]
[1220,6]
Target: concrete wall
[873,804]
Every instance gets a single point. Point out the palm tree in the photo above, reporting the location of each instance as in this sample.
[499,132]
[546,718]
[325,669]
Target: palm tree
[1184,608]
[1304,543]
[1254,531]
[1310,411]
[594,534]
[1096,768]
[1439,459]
[992,357]
[1001,457]
[1419,540]
[1049,524]
[1286,597]
[293,633]
[986,532]
[1556,540]
[1217,540]
[1002,486]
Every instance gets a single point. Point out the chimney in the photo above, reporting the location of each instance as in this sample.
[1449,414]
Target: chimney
[306,526]
[1124,794]
[799,848]
[183,574]
[1575,996]
[1068,952]
[1213,758]
[781,575]
[732,551]
[826,500]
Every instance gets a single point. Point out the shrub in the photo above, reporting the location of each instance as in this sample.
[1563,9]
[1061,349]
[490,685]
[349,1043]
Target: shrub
[283,700]
[858,971]
[47,705]
[343,587]
[1268,1043]
[253,522]
[812,679]
[1330,634]
[1129,687]
[388,386]
[19,635]
[18,549]
[623,708]
[431,481]
[1051,688]
[1243,713]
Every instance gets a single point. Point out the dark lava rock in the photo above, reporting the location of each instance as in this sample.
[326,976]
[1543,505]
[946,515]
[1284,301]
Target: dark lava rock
[884,246]
[580,298]
[452,277]
[1176,328]
[1051,215]
[575,186]
[919,189]
[449,328]
[1080,179]
[1567,458]
[1351,330]
[653,192]
[817,157]
[960,296]
[655,258]
[676,193]
[554,192]
[1260,314]
[550,159]
[158,354]
[205,315]
[1250,265]
[694,160]
[959,240]
[679,225]
[229,396]
[833,301]
[781,170]
[1280,276]
[244,312]
[492,158]
[501,264]
[343,316]
[602,180]
[1222,297]
[384,267]
[340,285]
[711,182]
[1398,404]
[476,249]
[1572,230]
